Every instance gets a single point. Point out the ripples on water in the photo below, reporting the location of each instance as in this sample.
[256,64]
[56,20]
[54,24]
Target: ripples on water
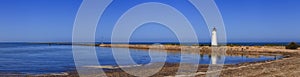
[43,58]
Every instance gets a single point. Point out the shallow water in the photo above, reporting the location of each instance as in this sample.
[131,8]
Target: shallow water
[43,58]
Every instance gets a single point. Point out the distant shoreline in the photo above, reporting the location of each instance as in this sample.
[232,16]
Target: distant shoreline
[166,43]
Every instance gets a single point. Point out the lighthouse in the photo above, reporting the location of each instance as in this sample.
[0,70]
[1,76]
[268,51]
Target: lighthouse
[214,37]
[214,43]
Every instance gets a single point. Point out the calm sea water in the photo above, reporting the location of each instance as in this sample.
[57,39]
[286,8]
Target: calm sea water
[43,58]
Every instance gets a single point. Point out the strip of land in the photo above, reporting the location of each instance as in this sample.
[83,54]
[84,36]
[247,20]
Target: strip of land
[286,67]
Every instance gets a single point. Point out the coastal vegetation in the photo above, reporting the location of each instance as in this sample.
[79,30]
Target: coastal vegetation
[274,45]
[232,45]
[292,45]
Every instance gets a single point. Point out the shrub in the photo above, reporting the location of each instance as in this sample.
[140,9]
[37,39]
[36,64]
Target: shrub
[292,45]
[232,45]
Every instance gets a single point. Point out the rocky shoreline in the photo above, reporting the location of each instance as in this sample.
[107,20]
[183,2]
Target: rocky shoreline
[231,50]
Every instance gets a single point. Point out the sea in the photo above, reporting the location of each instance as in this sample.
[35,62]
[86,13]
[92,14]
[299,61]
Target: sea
[43,58]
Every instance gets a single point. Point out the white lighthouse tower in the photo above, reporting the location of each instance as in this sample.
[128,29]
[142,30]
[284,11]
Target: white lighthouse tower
[214,37]
[214,43]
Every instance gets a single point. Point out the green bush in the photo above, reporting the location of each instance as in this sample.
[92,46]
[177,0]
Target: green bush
[292,45]
[232,45]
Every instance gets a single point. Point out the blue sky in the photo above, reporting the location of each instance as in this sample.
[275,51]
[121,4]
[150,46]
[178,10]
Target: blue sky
[245,20]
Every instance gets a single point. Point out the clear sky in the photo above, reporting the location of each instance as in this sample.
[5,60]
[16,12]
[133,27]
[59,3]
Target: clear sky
[245,20]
